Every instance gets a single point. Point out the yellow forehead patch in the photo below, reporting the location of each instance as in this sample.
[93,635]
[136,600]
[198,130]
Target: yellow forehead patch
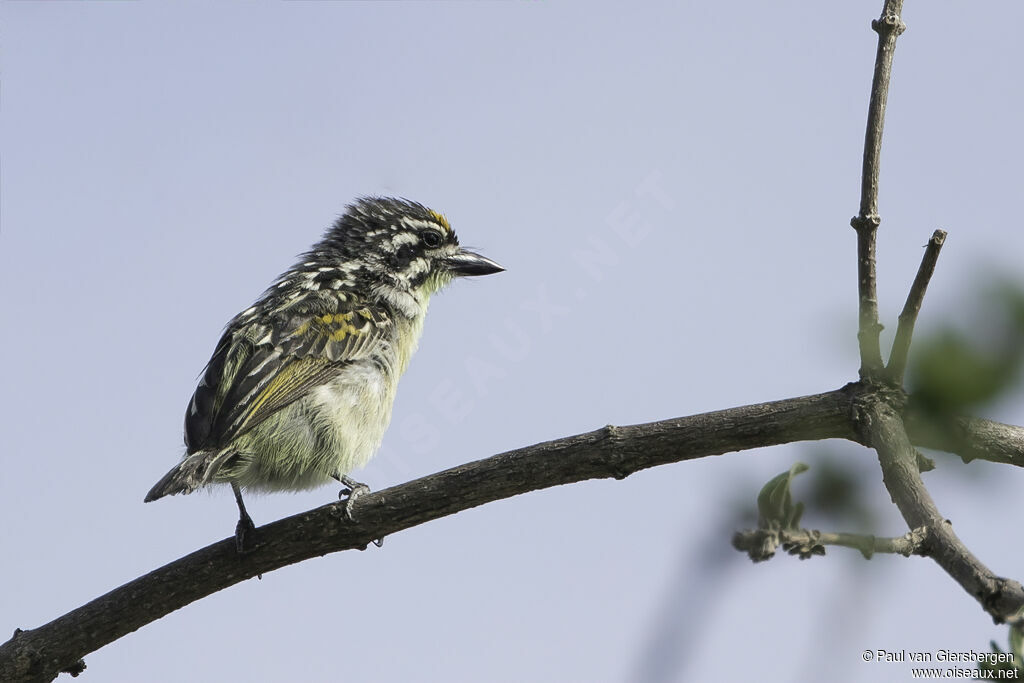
[441,220]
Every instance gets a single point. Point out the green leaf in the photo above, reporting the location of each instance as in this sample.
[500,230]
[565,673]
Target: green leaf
[1017,644]
[775,502]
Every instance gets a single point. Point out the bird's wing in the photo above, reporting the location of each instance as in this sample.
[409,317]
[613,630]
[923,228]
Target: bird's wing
[260,367]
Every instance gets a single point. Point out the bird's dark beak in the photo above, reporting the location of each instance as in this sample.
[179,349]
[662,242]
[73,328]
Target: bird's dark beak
[467,263]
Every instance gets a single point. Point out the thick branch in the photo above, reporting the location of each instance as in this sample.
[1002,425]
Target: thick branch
[882,428]
[39,654]
[889,26]
[972,438]
[908,317]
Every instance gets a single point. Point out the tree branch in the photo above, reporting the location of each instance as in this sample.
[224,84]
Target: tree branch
[908,317]
[870,412]
[40,654]
[971,438]
[881,427]
[889,27]
[760,544]
[880,414]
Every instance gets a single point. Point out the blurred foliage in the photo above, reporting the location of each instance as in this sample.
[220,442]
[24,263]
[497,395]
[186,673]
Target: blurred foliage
[1010,670]
[955,370]
[836,491]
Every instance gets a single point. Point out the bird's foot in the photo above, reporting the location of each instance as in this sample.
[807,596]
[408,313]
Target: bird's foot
[243,534]
[245,527]
[352,491]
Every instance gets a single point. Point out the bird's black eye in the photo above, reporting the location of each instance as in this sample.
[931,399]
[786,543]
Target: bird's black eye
[431,238]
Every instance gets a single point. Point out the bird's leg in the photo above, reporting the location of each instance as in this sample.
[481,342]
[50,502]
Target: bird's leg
[245,525]
[354,490]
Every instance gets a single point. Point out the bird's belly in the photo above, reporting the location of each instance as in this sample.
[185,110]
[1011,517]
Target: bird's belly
[333,430]
[350,416]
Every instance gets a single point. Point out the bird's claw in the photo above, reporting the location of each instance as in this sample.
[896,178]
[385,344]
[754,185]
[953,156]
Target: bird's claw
[350,494]
[243,533]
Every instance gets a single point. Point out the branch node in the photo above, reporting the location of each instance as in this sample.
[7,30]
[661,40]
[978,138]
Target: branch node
[888,23]
[619,466]
[758,544]
[869,222]
[917,542]
[75,669]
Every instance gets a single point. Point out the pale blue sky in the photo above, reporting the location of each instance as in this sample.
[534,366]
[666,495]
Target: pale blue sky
[669,185]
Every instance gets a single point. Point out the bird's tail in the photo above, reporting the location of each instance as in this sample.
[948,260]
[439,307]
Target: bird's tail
[194,471]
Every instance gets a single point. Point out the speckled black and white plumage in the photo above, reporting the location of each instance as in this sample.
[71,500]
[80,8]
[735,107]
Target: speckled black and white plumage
[299,388]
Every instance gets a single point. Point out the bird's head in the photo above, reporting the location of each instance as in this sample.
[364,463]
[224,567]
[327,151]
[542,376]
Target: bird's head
[398,249]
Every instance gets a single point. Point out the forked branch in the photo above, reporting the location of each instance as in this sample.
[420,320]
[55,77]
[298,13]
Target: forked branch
[882,428]
[881,420]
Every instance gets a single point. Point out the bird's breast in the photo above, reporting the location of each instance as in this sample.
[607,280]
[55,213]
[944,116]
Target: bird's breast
[407,339]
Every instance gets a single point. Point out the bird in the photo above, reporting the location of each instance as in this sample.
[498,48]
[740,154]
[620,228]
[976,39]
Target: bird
[299,389]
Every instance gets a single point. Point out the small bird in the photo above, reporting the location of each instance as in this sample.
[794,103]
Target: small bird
[300,386]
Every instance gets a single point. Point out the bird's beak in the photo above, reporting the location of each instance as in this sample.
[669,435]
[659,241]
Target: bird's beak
[467,263]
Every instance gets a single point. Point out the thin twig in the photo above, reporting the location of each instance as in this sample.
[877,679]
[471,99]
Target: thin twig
[882,428]
[910,543]
[888,26]
[869,330]
[908,318]
[760,544]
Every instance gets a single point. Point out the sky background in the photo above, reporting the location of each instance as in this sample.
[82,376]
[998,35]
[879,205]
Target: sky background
[670,182]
